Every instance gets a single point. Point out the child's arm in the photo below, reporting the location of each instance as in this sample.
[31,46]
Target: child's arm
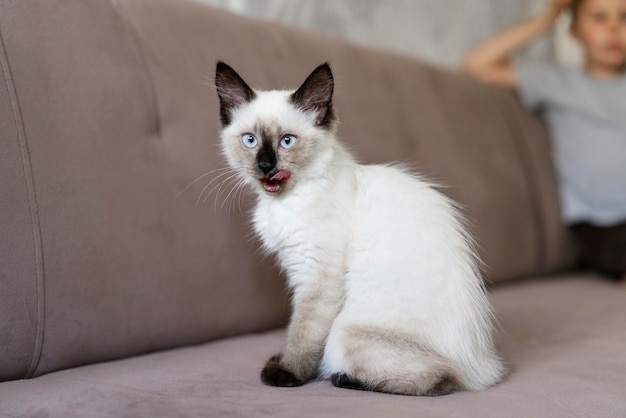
[490,62]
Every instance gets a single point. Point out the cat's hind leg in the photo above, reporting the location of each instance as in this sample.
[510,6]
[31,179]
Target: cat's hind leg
[391,362]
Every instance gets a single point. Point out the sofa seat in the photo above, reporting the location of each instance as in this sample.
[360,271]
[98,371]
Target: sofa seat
[563,338]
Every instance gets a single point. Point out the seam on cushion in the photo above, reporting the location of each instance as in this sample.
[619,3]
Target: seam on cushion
[117,9]
[33,207]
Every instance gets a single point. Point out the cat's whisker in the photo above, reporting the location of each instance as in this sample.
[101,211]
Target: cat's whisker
[239,195]
[226,185]
[229,201]
[219,187]
[220,179]
[223,169]
[234,189]
[223,185]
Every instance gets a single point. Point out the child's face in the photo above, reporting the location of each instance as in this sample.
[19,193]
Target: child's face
[601,29]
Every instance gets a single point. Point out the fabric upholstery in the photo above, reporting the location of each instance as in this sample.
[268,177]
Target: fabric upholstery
[108,115]
[562,337]
[20,250]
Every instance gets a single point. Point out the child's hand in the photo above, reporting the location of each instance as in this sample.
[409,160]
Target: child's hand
[491,63]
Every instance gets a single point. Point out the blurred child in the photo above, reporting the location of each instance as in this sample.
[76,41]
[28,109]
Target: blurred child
[586,114]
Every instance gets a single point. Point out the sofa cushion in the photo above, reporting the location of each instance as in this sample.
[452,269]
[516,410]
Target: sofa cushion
[563,339]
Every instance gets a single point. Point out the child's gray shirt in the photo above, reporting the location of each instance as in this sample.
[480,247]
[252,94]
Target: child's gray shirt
[587,122]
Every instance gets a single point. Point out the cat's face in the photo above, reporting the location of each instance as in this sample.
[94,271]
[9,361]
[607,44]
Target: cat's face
[276,138]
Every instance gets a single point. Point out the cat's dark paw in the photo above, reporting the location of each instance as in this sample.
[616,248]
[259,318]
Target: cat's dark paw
[445,386]
[342,380]
[274,374]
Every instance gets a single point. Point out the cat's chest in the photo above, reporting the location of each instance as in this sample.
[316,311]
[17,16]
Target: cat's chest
[282,226]
[297,226]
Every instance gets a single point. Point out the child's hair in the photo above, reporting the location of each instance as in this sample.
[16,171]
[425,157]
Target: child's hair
[575,7]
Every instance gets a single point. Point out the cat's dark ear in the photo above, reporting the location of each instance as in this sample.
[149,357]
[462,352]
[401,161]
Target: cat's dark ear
[316,95]
[232,91]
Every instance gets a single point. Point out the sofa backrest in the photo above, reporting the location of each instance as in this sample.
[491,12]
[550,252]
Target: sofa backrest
[108,114]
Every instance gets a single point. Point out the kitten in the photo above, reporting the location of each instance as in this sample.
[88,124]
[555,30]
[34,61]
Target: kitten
[387,295]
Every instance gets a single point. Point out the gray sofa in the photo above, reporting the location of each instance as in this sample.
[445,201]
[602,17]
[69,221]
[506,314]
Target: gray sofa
[128,288]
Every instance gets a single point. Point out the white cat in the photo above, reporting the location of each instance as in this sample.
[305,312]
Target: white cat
[387,295]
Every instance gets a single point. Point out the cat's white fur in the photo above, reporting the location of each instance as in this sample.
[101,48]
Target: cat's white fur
[385,282]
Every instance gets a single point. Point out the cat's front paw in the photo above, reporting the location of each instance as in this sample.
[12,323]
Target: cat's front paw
[274,374]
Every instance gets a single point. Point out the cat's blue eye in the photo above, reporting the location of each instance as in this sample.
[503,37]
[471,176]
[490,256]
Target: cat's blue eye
[249,140]
[288,141]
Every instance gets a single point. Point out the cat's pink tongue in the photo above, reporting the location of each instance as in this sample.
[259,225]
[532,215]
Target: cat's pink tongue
[282,175]
[272,185]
